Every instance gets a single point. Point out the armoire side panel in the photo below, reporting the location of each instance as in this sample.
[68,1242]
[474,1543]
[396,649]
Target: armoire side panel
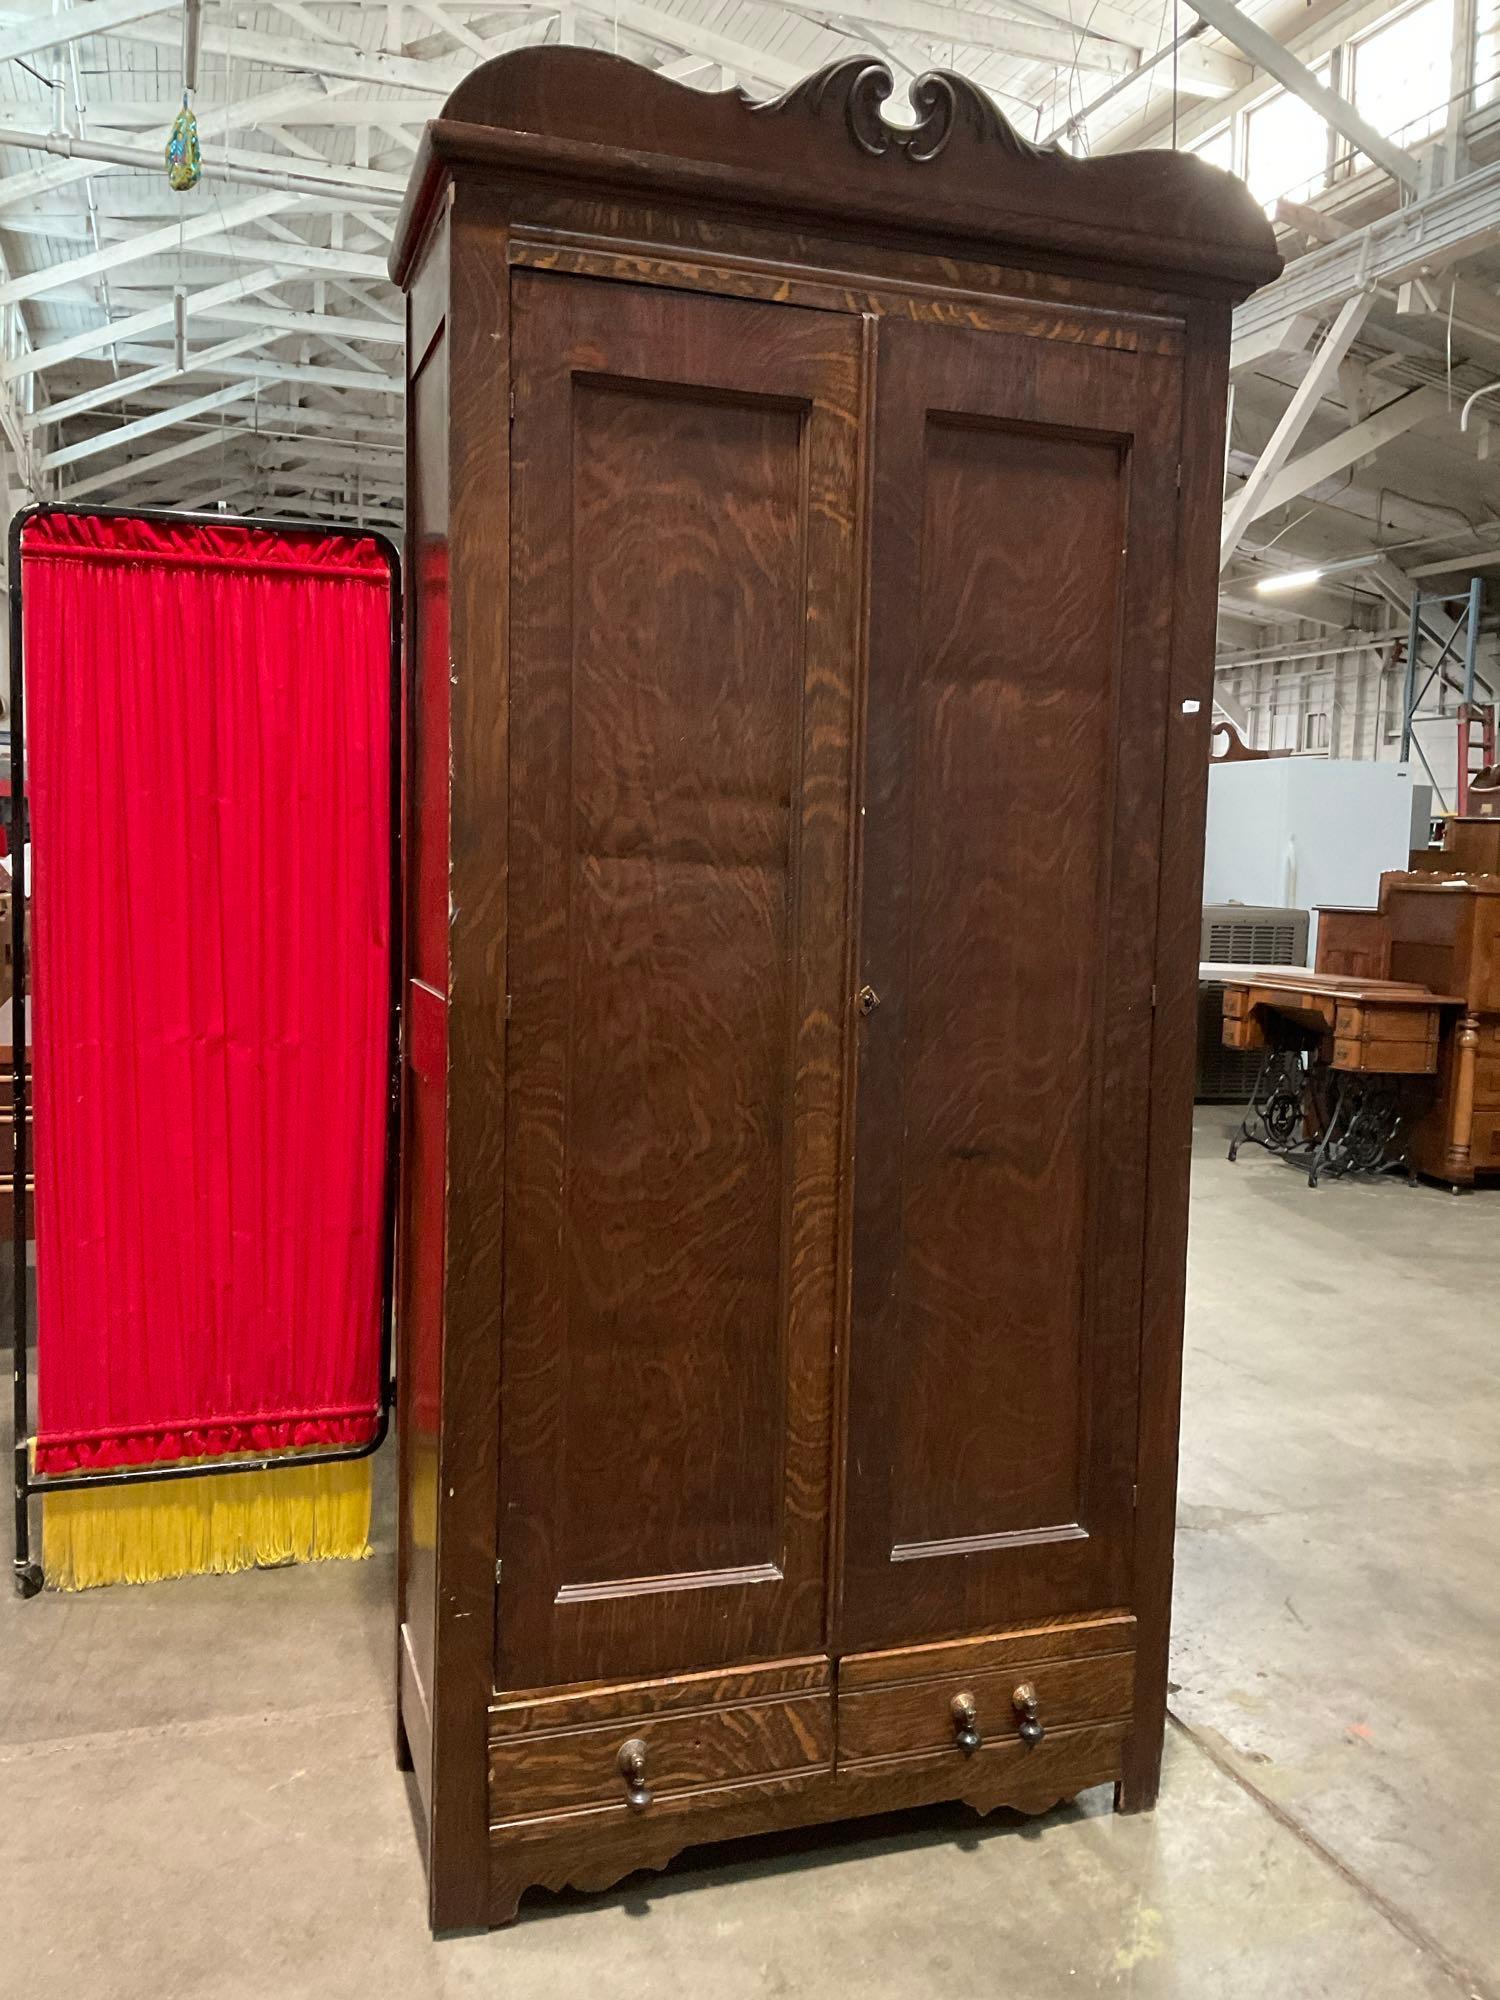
[1025,515]
[1178,934]
[679,699]
[424,1006]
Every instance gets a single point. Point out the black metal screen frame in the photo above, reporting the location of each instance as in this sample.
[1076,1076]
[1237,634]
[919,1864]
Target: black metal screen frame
[28,1484]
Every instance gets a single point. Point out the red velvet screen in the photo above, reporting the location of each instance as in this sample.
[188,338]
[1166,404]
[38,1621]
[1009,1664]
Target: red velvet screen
[208,761]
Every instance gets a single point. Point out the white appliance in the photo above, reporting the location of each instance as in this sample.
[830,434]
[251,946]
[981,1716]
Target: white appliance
[1300,831]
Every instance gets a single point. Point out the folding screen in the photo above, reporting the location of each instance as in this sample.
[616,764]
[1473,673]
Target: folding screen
[209,774]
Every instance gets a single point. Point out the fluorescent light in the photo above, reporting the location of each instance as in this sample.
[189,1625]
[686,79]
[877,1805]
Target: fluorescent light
[1299,579]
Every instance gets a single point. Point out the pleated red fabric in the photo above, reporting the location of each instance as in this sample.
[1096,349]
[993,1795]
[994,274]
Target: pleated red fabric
[208,759]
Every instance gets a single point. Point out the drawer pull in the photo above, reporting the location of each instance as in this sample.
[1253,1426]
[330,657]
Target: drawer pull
[1030,1727]
[965,1712]
[632,1763]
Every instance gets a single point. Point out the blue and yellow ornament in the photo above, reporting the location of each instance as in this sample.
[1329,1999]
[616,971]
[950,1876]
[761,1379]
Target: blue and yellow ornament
[184,161]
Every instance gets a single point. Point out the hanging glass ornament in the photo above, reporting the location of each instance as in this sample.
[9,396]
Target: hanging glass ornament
[184,161]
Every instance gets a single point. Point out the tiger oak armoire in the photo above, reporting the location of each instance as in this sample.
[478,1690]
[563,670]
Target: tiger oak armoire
[812,526]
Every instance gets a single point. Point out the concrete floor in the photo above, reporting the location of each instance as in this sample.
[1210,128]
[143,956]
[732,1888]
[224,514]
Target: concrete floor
[197,1796]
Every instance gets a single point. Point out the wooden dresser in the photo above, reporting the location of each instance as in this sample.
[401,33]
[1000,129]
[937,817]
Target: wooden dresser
[1444,930]
[1441,930]
[810,523]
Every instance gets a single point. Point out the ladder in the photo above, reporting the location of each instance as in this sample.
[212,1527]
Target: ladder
[1476,745]
[1461,643]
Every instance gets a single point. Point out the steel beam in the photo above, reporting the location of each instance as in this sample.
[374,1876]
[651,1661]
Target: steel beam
[294,254]
[335,58]
[144,378]
[995,33]
[224,361]
[289,319]
[1391,420]
[674,31]
[201,229]
[1451,565]
[1451,223]
[136,468]
[1321,375]
[159,420]
[215,300]
[51,30]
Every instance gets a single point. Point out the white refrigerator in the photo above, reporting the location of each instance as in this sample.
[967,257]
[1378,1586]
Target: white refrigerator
[1294,832]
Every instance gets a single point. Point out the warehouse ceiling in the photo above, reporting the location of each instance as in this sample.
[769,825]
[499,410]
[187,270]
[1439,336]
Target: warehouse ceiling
[240,345]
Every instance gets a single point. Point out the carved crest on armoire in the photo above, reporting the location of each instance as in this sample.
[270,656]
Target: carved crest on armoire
[811,534]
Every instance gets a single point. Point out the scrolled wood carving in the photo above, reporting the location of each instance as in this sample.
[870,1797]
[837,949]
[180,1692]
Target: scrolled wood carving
[942,101]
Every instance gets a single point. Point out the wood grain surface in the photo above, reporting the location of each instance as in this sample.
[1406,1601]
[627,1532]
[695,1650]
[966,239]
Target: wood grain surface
[913,1716]
[550,1774]
[816,569]
[591,1849]
[530,1713]
[552,113]
[1052,1639]
[474,1167]
[681,680]
[1021,547]
[1191,604]
[422,1205]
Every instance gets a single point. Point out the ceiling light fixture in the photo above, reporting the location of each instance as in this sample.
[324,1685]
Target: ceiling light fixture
[1300,579]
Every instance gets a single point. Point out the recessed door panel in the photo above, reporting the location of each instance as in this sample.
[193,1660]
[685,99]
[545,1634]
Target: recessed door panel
[682,638]
[1023,534]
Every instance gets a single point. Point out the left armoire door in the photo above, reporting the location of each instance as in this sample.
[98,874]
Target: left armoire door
[682,632]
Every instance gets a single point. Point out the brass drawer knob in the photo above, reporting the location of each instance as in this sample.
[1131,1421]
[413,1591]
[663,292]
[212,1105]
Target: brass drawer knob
[965,1712]
[1029,1727]
[632,1763]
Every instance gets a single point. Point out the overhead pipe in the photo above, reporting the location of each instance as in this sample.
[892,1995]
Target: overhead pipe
[66,147]
[191,21]
[1463,415]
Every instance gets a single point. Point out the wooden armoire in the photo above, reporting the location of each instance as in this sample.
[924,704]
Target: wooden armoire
[812,527]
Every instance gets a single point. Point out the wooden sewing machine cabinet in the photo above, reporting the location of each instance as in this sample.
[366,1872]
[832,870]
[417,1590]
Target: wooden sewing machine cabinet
[1340,1052]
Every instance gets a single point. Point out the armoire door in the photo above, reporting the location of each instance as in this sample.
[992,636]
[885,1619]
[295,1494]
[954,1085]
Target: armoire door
[682,631]
[1022,562]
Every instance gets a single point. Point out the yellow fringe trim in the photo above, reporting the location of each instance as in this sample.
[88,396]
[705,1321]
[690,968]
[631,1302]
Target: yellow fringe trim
[211,1525]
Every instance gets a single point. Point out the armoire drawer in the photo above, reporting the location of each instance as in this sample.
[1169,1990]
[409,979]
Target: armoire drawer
[915,1716]
[539,1774]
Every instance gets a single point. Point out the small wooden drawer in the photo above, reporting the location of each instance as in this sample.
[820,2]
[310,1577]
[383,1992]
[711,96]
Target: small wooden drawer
[541,1774]
[1386,1040]
[1487,1083]
[1394,1058]
[1484,1143]
[929,1715]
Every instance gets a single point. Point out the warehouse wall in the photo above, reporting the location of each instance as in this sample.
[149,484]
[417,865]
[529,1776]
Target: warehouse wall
[1347,704]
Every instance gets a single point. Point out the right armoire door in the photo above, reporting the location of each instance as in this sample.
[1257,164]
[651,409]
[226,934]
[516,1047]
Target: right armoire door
[1023,541]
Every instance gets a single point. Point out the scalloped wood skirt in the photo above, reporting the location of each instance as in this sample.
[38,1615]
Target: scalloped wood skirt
[586,1787]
